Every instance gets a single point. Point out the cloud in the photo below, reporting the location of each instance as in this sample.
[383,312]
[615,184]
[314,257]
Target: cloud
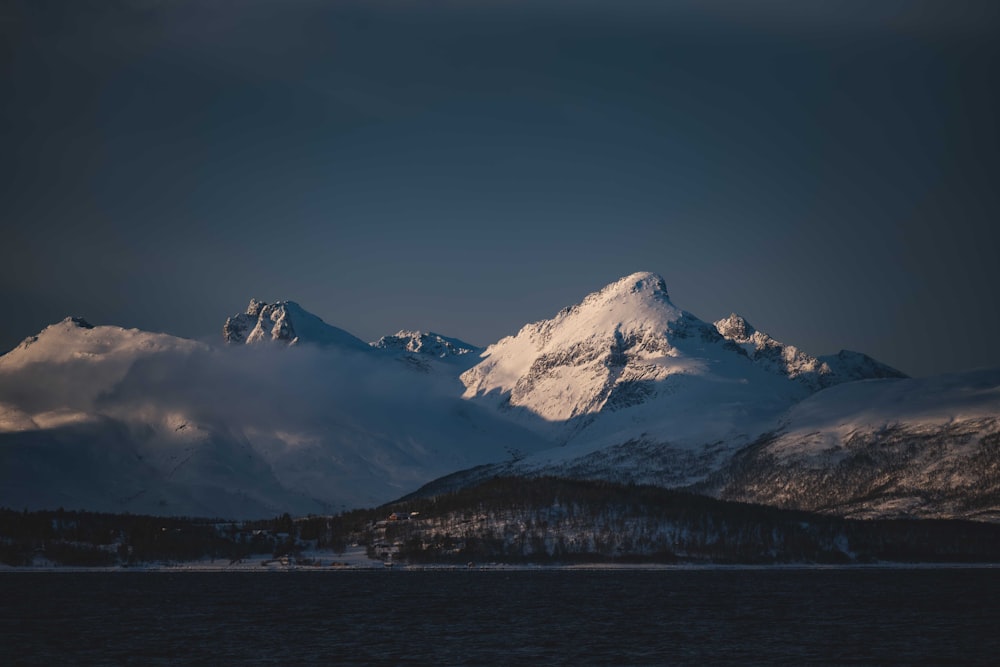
[274,388]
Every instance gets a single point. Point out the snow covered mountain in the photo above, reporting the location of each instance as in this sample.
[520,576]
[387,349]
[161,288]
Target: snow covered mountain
[881,448]
[70,365]
[293,414]
[636,390]
[625,380]
[622,347]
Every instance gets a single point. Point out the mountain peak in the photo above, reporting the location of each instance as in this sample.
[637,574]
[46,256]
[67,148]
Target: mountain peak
[735,328]
[642,282]
[255,307]
[613,350]
[427,343]
[286,322]
[79,322]
[849,365]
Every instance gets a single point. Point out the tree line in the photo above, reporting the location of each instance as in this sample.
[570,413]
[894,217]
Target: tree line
[507,519]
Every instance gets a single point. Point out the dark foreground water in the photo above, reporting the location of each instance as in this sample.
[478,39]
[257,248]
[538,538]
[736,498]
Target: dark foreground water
[933,616]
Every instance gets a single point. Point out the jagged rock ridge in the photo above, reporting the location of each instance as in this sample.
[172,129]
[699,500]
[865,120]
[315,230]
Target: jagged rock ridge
[284,322]
[429,343]
[813,372]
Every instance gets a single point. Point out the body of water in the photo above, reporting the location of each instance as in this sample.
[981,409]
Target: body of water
[572,617]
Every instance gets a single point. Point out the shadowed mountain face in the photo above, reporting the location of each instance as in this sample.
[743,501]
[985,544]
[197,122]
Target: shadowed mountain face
[623,386]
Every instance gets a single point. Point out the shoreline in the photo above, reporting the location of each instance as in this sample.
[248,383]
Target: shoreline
[261,567]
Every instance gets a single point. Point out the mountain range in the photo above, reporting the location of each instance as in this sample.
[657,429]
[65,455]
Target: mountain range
[287,413]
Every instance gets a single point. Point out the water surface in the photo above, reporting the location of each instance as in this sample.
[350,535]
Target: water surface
[844,616]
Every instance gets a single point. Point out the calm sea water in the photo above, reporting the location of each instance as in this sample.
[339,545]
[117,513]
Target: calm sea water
[924,616]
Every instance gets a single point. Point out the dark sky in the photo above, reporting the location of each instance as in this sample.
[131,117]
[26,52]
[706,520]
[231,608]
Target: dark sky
[829,170]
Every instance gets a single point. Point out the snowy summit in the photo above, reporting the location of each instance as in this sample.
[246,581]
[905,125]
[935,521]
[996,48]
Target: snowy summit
[284,322]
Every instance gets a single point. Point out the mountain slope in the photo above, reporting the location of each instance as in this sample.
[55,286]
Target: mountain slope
[926,447]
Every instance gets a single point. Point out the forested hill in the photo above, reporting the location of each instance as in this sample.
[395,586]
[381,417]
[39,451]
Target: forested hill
[544,520]
[549,519]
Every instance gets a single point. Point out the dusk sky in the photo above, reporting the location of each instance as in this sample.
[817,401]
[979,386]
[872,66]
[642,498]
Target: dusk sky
[831,171]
